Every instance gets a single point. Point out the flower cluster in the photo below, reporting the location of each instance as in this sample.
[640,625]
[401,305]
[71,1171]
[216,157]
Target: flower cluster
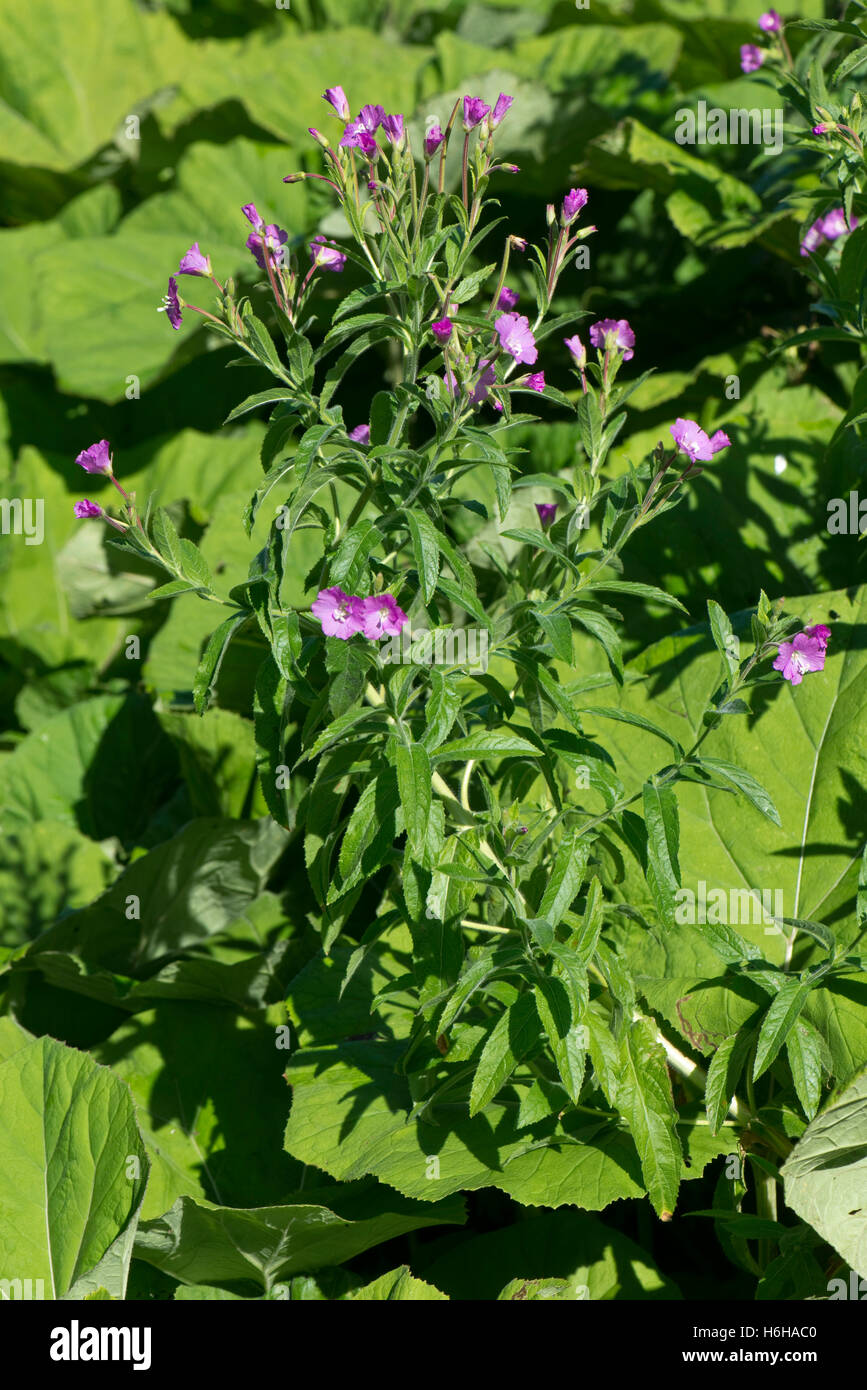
[752,57]
[98,458]
[342,615]
[805,653]
[829,227]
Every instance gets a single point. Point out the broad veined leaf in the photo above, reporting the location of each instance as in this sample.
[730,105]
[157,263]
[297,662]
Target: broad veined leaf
[198,1242]
[577,1160]
[73,1170]
[825,1177]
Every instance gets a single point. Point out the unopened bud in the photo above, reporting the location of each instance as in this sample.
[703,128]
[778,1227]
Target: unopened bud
[318,137]
[551,214]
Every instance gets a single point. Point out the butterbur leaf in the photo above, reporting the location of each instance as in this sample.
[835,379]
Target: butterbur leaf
[201,1243]
[825,1176]
[69,1206]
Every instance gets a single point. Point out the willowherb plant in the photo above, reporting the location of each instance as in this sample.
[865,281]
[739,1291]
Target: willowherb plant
[422,718]
[822,85]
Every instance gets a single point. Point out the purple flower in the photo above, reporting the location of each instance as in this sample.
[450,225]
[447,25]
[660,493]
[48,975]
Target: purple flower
[432,141]
[771,22]
[829,227]
[442,330]
[336,97]
[751,57]
[194,263]
[251,214]
[86,509]
[822,128]
[573,203]
[691,440]
[516,337]
[357,137]
[813,238]
[475,111]
[613,335]
[371,118]
[361,434]
[820,633]
[502,105]
[508,298]
[275,239]
[96,459]
[381,617]
[487,379]
[577,349]
[325,255]
[519,242]
[834,224]
[547,511]
[340,613]
[171,305]
[536,382]
[393,127]
[803,654]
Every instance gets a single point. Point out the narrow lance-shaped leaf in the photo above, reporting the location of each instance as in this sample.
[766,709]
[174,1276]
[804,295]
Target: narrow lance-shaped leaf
[567,875]
[778,1023]
[645,1101]
[514,1034]
[566,1037]
[724,639]
[723,1075]
[426,551]
[804,1051]
[414,785]
[745,782]
[663,838]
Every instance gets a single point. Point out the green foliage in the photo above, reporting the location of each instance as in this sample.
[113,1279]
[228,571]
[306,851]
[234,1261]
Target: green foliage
[304,936]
